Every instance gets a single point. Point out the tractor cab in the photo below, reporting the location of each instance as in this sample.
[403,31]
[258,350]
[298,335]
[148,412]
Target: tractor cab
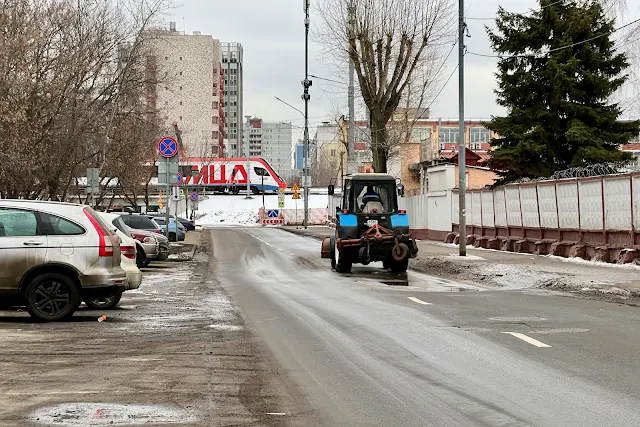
[370,226]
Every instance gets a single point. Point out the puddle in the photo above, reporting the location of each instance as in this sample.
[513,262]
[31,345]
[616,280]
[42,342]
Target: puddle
[108,414]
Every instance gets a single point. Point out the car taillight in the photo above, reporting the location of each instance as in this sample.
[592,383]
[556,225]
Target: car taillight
[128,251]
[106,239]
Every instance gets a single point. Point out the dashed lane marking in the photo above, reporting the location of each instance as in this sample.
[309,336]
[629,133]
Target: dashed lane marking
[268,244]
[528,339]
[419,301]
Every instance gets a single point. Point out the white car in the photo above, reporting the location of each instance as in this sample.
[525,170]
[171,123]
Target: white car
[127,263]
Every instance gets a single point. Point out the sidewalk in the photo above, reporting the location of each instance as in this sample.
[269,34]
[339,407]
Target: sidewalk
[513,271]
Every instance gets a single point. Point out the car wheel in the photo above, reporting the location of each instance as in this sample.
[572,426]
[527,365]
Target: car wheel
[51,297]
[141,258]
[105,303]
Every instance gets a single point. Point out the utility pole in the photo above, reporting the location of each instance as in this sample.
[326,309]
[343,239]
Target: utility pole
[351,138]
[248,159]
[306,83]
[462,176]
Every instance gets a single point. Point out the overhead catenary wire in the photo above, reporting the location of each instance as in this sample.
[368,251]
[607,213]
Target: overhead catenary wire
[493,19]
[550,51]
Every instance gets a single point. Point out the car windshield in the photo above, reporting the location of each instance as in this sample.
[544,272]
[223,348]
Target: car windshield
[375,197]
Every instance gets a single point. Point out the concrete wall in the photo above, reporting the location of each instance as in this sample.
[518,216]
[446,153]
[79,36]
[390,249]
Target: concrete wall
[593,217]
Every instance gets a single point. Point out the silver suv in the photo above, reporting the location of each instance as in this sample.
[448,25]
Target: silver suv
[55,255]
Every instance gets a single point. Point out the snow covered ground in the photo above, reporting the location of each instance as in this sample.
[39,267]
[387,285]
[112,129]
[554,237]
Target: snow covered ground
[229,210]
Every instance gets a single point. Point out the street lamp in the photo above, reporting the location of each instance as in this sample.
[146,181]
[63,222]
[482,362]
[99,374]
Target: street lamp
[248,160]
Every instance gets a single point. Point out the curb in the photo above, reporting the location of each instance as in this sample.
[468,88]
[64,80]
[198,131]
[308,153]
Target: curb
[303,233]
[189,257]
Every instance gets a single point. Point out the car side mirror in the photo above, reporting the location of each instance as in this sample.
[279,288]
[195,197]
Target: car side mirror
[331,190]
[400,188]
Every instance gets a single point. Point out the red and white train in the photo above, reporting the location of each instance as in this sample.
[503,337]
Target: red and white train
[229,175]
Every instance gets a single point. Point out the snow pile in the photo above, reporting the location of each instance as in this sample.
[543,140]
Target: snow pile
[230,210]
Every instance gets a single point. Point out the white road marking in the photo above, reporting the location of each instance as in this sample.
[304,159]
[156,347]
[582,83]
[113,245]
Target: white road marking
[276,413]
[419,301]
[267,243]
[528,339]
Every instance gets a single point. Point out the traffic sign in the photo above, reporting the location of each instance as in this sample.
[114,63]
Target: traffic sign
[194,196]
[272,213]
[295,188]
[296,196]
[180,179]
[168,147]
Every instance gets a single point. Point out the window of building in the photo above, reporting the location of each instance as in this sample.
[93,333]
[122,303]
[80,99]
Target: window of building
[180,102]
[214,134]
[180,117]
[449,135]
[214,120]
[479,136]
[166,58]
[180,87]
[180,72]
[214,105]
[181,58]
[333,152]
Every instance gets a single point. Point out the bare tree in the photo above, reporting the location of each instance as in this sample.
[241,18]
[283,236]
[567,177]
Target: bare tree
[68,71]
[387,42]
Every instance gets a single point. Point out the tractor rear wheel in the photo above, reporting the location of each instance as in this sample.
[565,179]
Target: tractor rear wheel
[399,266]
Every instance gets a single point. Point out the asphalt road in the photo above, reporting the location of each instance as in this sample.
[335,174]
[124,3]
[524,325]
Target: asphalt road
[433,353]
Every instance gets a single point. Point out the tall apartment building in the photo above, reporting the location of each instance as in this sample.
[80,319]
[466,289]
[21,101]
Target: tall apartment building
[273,142]
[232,98]
[188,70]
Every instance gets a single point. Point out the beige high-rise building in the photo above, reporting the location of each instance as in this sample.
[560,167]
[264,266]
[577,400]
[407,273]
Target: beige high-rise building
[188,69]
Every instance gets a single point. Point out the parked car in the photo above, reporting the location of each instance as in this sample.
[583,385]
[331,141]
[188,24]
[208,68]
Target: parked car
[54,255]
[162,219]
[128,252]
[188,224]
[150,246]
[176,230]
[139,222]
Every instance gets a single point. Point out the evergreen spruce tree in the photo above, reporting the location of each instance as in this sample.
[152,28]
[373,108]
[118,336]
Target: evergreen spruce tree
[557,70]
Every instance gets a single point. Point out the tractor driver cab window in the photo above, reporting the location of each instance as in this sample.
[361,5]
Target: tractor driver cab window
[373,198]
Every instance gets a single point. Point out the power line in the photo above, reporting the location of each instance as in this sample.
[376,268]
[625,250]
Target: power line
[443,86]
[556,49]
[492,19]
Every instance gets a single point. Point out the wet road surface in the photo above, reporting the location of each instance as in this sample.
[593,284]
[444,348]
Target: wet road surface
[433,352]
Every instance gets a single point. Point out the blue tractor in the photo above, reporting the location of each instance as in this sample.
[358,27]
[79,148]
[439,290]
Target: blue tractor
[369,225]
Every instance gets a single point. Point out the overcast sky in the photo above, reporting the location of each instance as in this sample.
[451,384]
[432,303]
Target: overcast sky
[272,34]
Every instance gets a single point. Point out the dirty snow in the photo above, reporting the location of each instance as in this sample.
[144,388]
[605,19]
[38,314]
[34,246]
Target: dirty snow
[108,414]
[229,210]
